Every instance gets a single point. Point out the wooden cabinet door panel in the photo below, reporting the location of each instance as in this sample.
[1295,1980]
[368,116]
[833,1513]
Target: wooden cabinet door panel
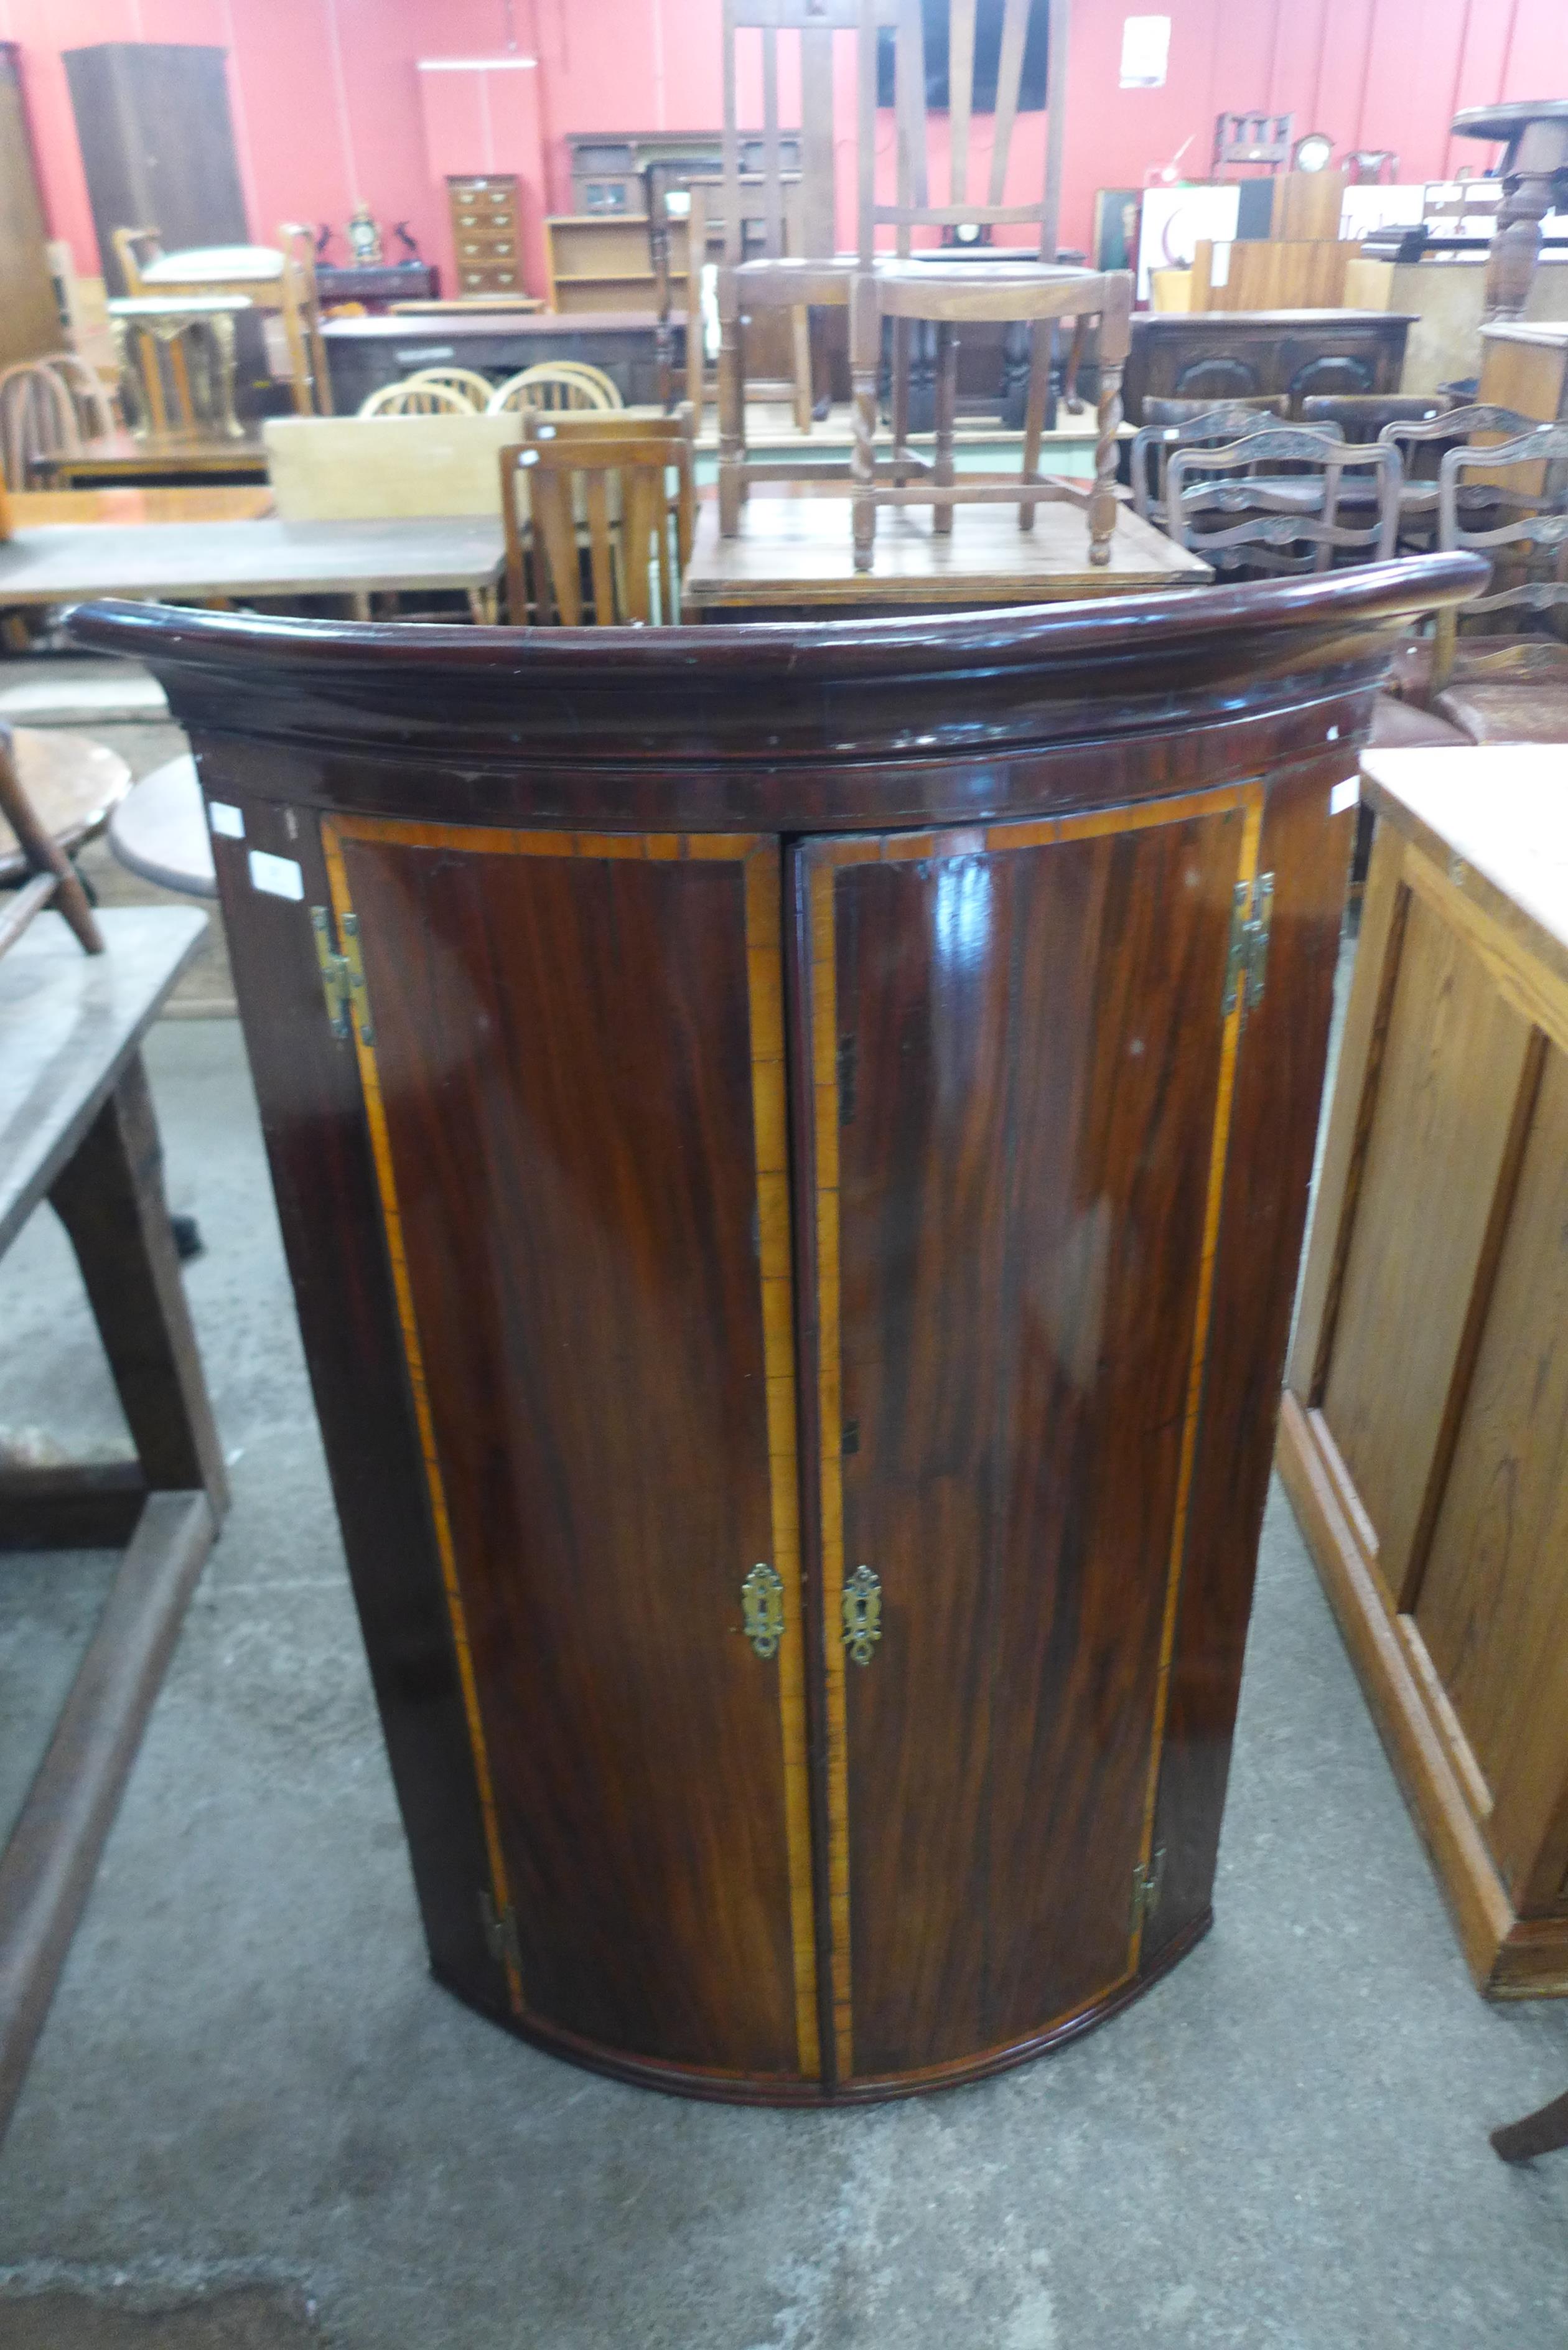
[1492,1608]
[1441,1115]
[1022,1083]
[576,1090]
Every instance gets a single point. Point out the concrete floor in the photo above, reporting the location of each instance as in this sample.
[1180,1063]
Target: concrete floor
[252,2110]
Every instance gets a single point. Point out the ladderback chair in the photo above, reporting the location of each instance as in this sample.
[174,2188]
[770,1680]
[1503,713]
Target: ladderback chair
[1027,289]
[412,397]
[1525,483]
[555,384]
[601,503]
[1429,440]
[1206,424]
[1294,521]
[1366,415]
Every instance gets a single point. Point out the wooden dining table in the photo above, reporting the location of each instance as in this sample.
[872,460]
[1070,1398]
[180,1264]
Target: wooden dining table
[166,459]
[219,502]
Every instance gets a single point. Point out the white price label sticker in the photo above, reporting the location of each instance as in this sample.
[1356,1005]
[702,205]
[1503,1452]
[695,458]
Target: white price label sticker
[1345,796]
[227,819]
[280,877]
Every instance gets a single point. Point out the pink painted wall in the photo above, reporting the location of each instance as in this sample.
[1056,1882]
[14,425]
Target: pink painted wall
[326,101]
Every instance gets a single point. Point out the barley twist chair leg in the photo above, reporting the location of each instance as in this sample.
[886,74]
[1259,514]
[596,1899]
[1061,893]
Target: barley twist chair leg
[1103,496]
[864,342]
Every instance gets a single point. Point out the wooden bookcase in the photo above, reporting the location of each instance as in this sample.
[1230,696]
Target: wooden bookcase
[601,261]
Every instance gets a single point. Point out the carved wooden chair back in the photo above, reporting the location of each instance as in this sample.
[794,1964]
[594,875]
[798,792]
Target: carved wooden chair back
[38,418]
[1364,416]
[1254,138]
[555,384]
[1525,484]
[1157,409]
[1423,444]
[1293,521]
[472,387]
[49,877]
[613,509]
[415,399]
[1229,421]
[915,206]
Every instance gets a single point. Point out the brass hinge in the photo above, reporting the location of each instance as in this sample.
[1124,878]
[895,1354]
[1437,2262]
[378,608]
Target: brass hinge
[343,976]
[1146,1886]
[501,1934]
[1246,960]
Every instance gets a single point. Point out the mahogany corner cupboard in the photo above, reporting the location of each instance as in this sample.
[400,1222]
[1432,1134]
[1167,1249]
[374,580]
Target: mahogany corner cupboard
[792,1144]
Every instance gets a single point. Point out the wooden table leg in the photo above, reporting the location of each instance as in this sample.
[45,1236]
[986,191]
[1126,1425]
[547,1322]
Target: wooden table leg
[111,1202]
[1543,2132]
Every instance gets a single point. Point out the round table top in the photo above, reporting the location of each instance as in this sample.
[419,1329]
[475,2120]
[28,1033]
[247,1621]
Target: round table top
[159,830]
[72,784]
[1503,122]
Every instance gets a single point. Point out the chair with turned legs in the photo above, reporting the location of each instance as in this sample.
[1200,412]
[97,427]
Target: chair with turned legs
[907,287]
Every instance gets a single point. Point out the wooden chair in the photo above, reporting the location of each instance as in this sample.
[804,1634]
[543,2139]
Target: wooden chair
[1415,437]
[1029,289]
[297,239]
[38,418]
[45,875]
[555,384]
[1364,416]
[412,397]
[1157,409]
[599,500]
[1525,484]
[813,275]
[1295,522]
[1205,424]
[707,235]
[268,277]
[472,387]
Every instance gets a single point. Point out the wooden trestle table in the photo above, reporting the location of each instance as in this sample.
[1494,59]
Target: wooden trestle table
[792,1144]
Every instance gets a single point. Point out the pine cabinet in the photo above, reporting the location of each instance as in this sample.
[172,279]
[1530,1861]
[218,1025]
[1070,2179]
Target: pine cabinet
[792,1144]
[1423,1439]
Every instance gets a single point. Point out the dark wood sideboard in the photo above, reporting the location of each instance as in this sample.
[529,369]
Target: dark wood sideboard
[793,1145]
[1236,354]
[366,354]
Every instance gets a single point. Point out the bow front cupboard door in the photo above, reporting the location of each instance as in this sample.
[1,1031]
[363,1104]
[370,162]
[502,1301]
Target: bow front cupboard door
[575,1091]
[1023,1078]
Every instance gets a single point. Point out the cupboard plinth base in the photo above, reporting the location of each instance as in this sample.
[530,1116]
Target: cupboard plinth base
[727,2089]
[1508,1957]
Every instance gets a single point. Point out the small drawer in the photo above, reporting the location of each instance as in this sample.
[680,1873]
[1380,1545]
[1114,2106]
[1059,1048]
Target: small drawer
[489,248]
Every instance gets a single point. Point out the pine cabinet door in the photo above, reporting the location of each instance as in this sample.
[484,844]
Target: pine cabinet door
[1020,1049]
[571,1051]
